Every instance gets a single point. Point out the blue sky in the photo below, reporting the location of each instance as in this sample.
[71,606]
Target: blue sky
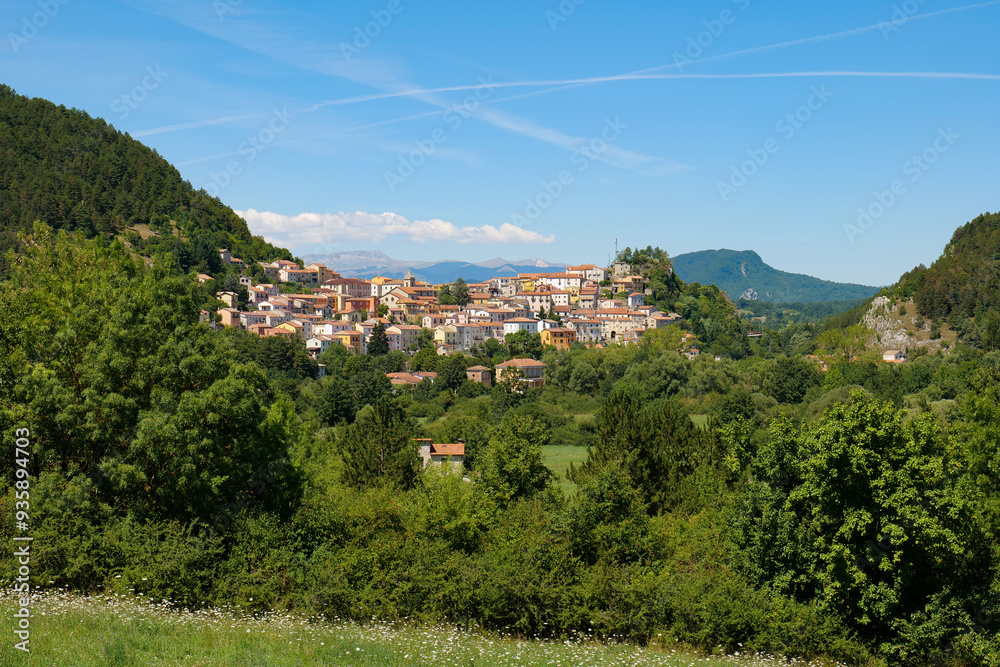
[844,140]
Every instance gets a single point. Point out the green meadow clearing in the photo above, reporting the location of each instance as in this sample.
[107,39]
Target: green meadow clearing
[558,458]
[116,631]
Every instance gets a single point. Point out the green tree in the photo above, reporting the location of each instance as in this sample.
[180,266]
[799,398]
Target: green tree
[445,297]
[584,379]
[378,342]
[377,448]
[427,359]
[990,339]
[523,344]
[857,512]
[657,446]
[123,386]
[848,344]
[788,378]
[511,467]
[335,405]
[425,339]
[451,371]
[460,291]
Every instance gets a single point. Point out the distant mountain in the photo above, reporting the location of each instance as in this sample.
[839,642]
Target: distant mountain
[371,263]
[744,275]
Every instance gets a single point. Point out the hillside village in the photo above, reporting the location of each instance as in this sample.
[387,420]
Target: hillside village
[583,304]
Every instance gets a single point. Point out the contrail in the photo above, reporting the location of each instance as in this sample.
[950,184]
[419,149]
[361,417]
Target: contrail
[651,77]
[191,126]
[624,77]
[821,38]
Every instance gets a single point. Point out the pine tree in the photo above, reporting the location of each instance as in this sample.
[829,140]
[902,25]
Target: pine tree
[377,449]
[378,343]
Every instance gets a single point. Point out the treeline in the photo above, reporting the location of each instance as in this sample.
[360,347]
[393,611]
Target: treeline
[779,315]
[747,504]
[961,286]
[78,173]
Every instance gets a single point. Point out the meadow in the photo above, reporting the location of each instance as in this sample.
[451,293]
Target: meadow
[69,629]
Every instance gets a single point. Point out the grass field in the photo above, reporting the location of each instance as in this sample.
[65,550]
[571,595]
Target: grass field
[114,631]
[558,458]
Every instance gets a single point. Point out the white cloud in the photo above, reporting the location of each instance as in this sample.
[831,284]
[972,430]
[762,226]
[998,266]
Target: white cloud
[307,230]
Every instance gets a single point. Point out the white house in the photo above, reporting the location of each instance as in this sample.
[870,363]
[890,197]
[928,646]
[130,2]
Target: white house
[515,324]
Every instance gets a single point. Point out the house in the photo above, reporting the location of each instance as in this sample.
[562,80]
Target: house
[434,321]
[273,269]
[536,301]
[447,335]
[293,327]
[467,335]
[248,319]
[319,344]
[230,317]
[352,340]
[231,299]
[532,372]
[323,274]
[440,454]
[587,330]
[352,287]
[895,357]
[588,298]
[479,374]
[515,324]
[382,286]
[589,272]
[561,281]
[559,337]
[258,294]
[308,277]
[621,269]
[261,330]
[629,284]
[404,379]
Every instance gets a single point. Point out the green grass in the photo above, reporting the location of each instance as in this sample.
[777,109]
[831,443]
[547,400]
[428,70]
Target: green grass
[558,458]
[113,631]
[700,420]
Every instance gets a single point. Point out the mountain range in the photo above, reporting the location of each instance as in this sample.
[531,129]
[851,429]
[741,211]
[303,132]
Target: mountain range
[371,263]
[744,275]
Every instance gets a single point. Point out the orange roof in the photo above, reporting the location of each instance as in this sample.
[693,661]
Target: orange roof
[456,449]
[521,363]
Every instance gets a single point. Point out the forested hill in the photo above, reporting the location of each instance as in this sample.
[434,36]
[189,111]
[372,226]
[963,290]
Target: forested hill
[964,283]
[79,173]
[744,275]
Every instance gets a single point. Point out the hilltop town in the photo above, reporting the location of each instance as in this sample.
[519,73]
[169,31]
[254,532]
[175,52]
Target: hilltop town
[583,304]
